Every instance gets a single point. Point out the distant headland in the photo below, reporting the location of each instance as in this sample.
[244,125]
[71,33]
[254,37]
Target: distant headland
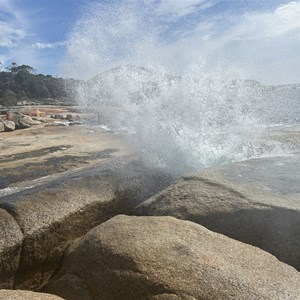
[21,85]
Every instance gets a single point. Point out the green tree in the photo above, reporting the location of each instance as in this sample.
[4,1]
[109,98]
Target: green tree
[21,82]
[13,67]
[9,98]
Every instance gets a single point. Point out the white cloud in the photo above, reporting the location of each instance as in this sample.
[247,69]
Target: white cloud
[18,39]
[247,43]
[7,44]
[11,25]
[283,20]
[42,46]
[180,8]
[252,44]
[12,31]
[261,45]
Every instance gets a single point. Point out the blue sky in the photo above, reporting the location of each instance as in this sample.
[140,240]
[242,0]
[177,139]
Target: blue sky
[258,36]
[35,31]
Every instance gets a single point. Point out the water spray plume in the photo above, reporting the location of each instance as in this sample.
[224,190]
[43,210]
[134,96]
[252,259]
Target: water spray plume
[185,109]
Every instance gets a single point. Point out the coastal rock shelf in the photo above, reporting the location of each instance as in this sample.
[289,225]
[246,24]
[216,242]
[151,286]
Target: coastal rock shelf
[59,247]
[63,230]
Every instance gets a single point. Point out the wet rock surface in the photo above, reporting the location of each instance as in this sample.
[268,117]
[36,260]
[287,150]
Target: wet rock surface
[166,258]
[255,201]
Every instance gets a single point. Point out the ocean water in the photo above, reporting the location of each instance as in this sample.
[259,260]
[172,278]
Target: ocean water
[183,112]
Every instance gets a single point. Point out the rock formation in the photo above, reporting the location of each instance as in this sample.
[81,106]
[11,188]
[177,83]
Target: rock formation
[54,215]
[256,202]
[166,258]
[21,121]
[8,125]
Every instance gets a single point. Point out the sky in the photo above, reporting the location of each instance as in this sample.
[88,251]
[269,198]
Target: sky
[259,37]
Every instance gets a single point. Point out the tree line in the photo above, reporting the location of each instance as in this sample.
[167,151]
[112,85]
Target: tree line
[20,83]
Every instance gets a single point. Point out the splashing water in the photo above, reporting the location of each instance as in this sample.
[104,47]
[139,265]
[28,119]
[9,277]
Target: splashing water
[203,116]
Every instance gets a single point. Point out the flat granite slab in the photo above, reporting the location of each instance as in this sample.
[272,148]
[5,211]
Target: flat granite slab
[36,152]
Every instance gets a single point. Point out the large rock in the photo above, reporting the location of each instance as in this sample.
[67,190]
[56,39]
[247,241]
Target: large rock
[10,249]
[58,116]
[30,121]
[52,215]
[40,119]
[2,128]
[255,201]
[166,258]
[21,121]
[8,125]
[26,295]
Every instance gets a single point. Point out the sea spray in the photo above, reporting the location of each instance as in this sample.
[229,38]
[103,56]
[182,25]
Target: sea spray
[184,122]
[184,110]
